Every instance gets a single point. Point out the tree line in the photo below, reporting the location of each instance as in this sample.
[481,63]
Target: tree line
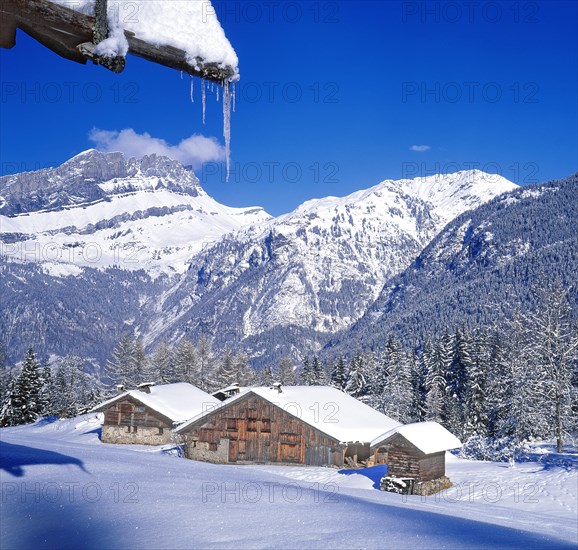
[494,387]
[62,388]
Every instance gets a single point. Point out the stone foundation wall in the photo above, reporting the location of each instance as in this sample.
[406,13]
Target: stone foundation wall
[199,450]
[411,486]
[143,436]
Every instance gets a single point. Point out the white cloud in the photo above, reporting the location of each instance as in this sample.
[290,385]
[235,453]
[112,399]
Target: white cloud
[420,148]
[194,150]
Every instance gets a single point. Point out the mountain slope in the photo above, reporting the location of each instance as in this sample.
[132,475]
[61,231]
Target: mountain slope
[104,245]
[480,267]
[285,284]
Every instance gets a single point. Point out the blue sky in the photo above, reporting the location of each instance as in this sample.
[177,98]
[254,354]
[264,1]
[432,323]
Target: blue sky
[332,97]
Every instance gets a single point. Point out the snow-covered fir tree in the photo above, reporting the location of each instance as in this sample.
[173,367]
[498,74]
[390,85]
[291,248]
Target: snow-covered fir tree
[24,402]
[339,374]
[120,368]
[553,343]
[227,370]
[286,372]
[357,380]
[187,363]
[161,365]
[141,364]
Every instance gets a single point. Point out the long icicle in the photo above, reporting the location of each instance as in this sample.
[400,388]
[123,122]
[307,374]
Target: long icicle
[192,90]
[204,99]
[227,124]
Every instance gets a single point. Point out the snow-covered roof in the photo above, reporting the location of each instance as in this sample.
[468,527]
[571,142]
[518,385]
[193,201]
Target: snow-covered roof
[179,402]
[428,437]
[331,411]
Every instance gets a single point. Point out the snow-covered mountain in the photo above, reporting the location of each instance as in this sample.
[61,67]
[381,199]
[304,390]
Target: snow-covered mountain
[137,245]
[315,271]
[480,267]
[100,209]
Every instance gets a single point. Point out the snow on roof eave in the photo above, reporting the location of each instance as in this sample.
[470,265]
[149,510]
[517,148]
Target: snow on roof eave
[443,440]
[242,395]
[257,391]
[200,49]
[132,393]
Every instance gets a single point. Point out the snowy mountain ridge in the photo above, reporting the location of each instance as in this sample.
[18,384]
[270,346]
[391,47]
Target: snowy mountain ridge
[100,209]
[319,267]
[172,261]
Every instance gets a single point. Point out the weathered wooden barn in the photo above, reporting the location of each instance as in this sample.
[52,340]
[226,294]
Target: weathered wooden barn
[416,453]
[148,414]
[309,425]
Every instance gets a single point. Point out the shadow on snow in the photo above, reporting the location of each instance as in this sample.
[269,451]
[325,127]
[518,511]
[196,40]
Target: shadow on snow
[14,457]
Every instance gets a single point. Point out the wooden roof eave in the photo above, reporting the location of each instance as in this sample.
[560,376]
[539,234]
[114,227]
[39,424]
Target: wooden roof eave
[135,401]
[66,31]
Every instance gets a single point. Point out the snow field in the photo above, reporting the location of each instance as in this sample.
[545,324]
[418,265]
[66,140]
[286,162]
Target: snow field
[62,488]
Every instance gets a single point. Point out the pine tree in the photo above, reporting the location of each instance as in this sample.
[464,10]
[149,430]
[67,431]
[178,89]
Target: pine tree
[24,401]
[141,366]
[307,375]
[436,359]
[120,368]
[245,374]
[286,372]
[521,408]
[418,388]
[339,374]
[398,392]
[46,391]
[456,381]
[11,404]
[206,362]
[73,391]
[318,375]
[475,405]
[357,379]
[161,365]
[553,339]
[266,377]
[186,362]
[227,370]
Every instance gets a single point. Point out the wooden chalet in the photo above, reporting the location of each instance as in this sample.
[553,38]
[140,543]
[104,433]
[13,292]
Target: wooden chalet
[416,453]
[74,35]
[308,425]
[148,414]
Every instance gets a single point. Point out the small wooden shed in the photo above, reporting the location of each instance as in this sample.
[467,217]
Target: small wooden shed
[415,452]
[148,414]
[308,425]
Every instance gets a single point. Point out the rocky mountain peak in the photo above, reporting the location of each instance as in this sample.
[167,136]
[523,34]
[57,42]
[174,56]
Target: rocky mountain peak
[84,179]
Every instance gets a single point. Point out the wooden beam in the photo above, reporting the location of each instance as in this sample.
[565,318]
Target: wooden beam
[64,31]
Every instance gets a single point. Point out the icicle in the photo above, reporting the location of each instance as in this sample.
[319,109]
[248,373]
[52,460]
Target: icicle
[234,96]
[217,94]
[181,75]
[204,99]
[227,124]
[192,90]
